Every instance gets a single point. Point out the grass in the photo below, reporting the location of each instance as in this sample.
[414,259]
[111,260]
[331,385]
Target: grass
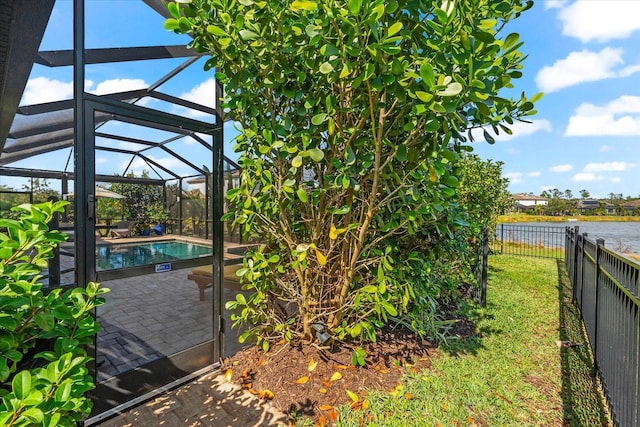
[523,217]
[513,373]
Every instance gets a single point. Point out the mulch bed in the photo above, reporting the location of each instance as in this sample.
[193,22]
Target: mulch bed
[304,380]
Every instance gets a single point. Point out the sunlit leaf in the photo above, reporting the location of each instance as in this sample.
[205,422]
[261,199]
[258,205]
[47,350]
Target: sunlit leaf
[304,5]
[228,374]
[325,407]
[352,396]
[336,376]
[322,260]
[302,380]
[312,365]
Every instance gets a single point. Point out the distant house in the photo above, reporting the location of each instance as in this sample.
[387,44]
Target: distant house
[589,206]
[528,202]
[632,206]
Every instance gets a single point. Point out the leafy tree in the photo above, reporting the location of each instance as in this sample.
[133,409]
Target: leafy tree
[41,190]
[483,191]
[143,204]
[585,194]
[45,387]
[354,115]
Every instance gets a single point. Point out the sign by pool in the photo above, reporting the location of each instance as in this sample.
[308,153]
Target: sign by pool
[161,268]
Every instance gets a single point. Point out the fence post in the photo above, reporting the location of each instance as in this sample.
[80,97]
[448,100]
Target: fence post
[502,238]
[576,231]
[54,262]
[582,240]
[485,267]
[599,245]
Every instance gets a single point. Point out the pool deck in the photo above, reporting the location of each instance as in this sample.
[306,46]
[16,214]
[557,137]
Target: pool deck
[152,316]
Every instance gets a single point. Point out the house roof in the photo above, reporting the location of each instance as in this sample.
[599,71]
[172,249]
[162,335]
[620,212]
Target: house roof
[522,196]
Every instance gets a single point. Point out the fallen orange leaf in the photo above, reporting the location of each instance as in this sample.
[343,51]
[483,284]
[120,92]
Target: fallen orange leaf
[365,404]
[322,421]
[470,420]
[341,366]
[445,406]
[302,380]
[228,374]
[312,365]
[333,415]
[336,376]
[247,385]
[355,406]
[326,407]
[326,383]
[408,396]
[253,391]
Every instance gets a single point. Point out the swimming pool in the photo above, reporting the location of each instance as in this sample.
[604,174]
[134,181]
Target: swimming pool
[117,256]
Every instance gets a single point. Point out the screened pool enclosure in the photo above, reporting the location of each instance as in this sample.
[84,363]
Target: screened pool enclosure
[119,118]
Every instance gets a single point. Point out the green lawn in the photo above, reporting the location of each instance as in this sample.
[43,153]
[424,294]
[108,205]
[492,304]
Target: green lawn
[513,373]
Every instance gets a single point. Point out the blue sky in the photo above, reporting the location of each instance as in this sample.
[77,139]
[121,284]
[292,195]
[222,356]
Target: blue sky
[582,54]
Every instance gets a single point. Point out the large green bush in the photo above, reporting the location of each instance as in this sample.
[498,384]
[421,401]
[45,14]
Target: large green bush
[354,115]
[41,387]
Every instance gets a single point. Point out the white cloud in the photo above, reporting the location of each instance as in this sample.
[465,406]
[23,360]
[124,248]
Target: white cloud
[561,168]
[534,174]
[203,94]
[583,66]
[600,20]
[514,177]
[43,89]
[620,117]
[605,148]
[586,177]
[119,85]
[615,180]
[609,167]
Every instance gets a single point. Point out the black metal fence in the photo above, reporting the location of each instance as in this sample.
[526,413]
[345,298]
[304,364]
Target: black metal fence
[605,286]
[480,269]
[529,240]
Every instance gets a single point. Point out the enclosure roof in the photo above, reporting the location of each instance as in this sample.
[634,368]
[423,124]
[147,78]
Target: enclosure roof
[32,130]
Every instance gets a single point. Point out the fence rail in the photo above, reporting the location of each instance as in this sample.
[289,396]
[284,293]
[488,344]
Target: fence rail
[529,240]
[606,286]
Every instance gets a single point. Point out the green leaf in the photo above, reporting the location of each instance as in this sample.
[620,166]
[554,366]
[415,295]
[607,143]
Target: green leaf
[394,29]
[326,68]
[427,74]
[216,31]
[354,6]
[248,35]
[424,96]
[318,119]
[299,5]
[487,136]
[297,161]
[316,154]
[21,384]
[302,195]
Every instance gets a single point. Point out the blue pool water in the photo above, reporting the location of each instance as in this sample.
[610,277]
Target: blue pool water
[110,257]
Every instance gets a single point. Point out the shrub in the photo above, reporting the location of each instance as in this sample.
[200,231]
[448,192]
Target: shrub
[41,387]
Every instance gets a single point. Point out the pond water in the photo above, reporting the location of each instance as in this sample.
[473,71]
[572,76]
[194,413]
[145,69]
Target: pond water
[616,235]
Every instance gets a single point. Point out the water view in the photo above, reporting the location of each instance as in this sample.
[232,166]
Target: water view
[617,235]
